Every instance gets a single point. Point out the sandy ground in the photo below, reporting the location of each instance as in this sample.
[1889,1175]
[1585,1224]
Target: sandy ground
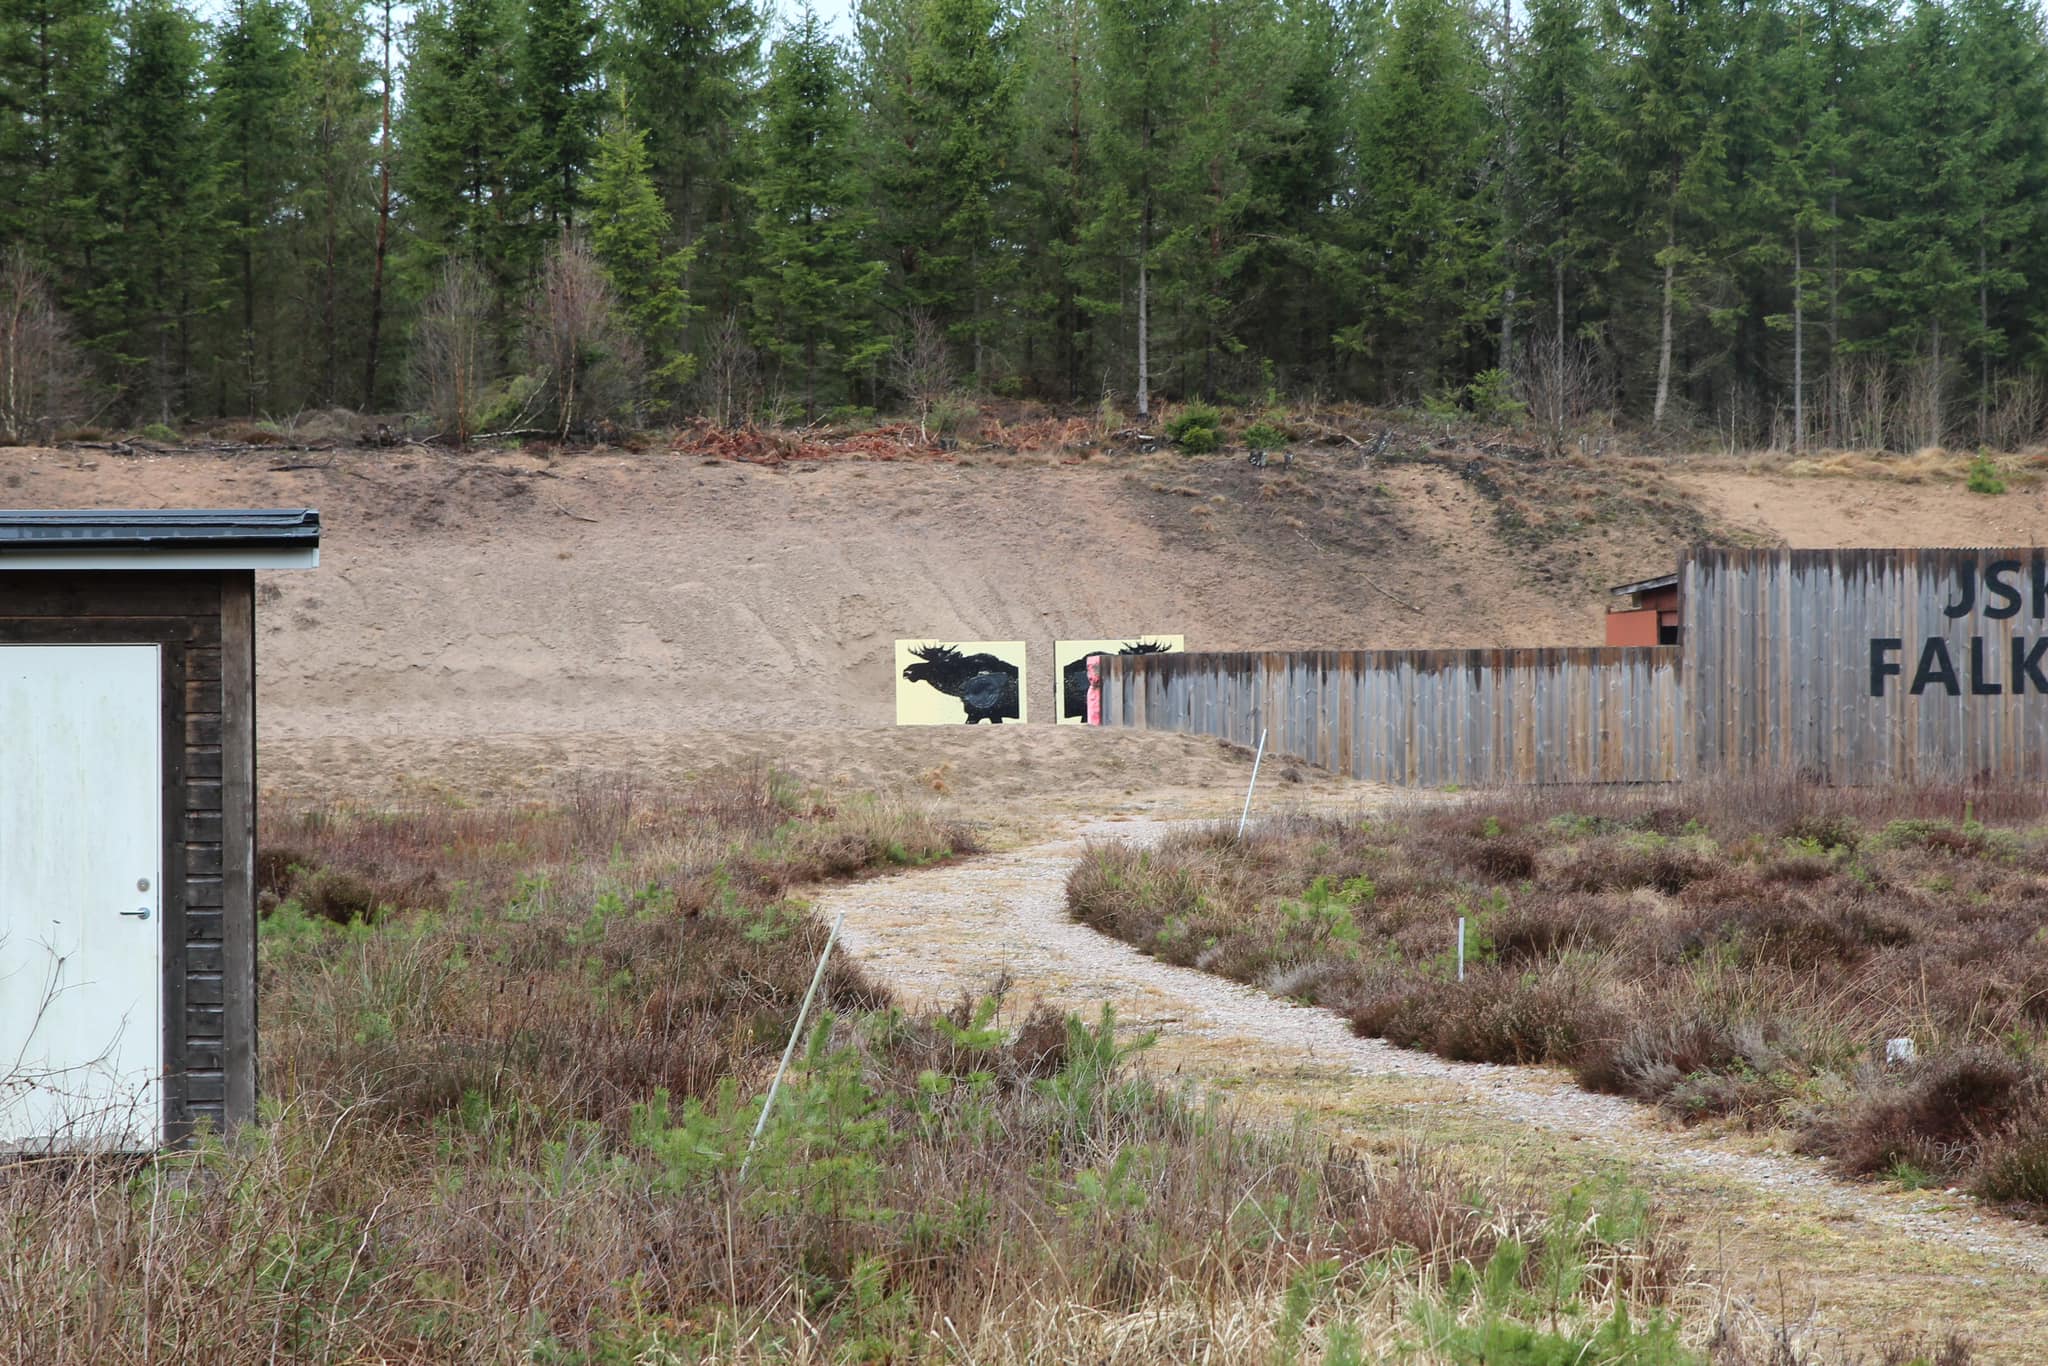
[1845,1266]
[1825,512]
[498,622]
[463,596]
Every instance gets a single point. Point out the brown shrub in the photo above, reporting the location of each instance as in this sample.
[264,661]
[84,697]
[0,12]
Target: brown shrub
[1935,1118]
[1498,858]
[2013,1168]
[1539,928]
[1609,865]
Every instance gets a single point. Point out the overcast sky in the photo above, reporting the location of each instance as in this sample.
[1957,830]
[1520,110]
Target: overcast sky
[837,13]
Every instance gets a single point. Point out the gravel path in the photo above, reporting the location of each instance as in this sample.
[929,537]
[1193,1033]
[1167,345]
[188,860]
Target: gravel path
[932,934]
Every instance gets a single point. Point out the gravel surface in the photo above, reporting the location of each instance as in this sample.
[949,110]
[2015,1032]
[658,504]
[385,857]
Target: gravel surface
[933,934]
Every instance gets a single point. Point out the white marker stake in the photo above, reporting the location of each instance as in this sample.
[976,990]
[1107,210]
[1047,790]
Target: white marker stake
[802,1013]
[1256,760]
[1461,948]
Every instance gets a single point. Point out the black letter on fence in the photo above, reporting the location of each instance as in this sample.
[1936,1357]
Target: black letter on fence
[1996,586]
[1936,667]
[1882,667]
[1981,682]
[2026,664]
[1966,588]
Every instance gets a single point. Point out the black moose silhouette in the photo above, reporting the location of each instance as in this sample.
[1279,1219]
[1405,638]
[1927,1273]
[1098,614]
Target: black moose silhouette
[985,685]
[1074,678]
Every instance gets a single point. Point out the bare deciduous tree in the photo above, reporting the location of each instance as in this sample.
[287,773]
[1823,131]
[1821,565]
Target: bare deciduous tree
[42,378]
[2018,412]
[1562,381]
[922,366]
[589,362]
[728,375]
[450,350]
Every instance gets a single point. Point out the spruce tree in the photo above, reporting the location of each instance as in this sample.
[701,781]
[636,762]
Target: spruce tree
[1145,62]
[943,153]
[1918,269]
[57,91]
[1791,194]
[2004,58]
[558,103]
[693,69]
[337,124]
[160,270]
[256,90]
[1660,149]
[1554,93]
[459,166]
[813,288]
[1424,225]
[1288,306]
[630,233]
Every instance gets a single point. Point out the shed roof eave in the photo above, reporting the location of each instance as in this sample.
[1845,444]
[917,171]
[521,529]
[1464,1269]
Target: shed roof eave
[157,561]
[1645,585]
[176,538]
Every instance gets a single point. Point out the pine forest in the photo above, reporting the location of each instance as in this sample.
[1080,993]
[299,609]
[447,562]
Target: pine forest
[1784,222]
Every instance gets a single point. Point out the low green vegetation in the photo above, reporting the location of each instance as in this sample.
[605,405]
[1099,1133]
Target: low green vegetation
[1195,428]
[513,1059]
[1741,954]
[1983,477]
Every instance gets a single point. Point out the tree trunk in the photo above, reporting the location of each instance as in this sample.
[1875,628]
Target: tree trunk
[1144,339]
[1664,335]
[1557,279]
[1798,347]
[1507,331]
[1838,398]
[383,227]
[1072,312]
[1144,255]
[1559,398]
[1507,305]
[1933,398]
[248,245]
[330,326]
[1983,350]
[1215,220]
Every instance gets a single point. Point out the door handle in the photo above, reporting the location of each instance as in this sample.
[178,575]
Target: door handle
[139,914]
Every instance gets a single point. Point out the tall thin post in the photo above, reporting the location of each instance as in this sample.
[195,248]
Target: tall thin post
[803,1012]
[1256,760]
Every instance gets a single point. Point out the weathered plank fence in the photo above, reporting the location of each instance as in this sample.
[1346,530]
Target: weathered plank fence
[1847,666]
[1422,717]
[1867,665]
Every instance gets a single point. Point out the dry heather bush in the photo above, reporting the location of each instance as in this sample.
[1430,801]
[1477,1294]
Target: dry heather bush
[508,1102]
[1725,950]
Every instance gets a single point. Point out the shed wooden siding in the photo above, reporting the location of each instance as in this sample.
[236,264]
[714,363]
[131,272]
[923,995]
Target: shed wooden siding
[1423,717]
[1778,665]
[203,622]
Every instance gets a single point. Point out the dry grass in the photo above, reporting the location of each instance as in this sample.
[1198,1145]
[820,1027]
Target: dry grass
[1928,465]
[512,1058]
[1740,952]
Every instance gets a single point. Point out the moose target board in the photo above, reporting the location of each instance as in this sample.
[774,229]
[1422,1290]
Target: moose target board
[1070,664]
[943,682]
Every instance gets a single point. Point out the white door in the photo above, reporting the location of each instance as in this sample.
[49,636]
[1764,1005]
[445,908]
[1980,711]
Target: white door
[81,797]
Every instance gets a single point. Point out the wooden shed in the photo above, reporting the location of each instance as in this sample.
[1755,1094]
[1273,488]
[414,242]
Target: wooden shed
[128,820]
[1647,614]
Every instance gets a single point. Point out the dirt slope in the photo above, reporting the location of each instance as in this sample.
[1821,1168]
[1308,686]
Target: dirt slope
[1825,512]
[500,617]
